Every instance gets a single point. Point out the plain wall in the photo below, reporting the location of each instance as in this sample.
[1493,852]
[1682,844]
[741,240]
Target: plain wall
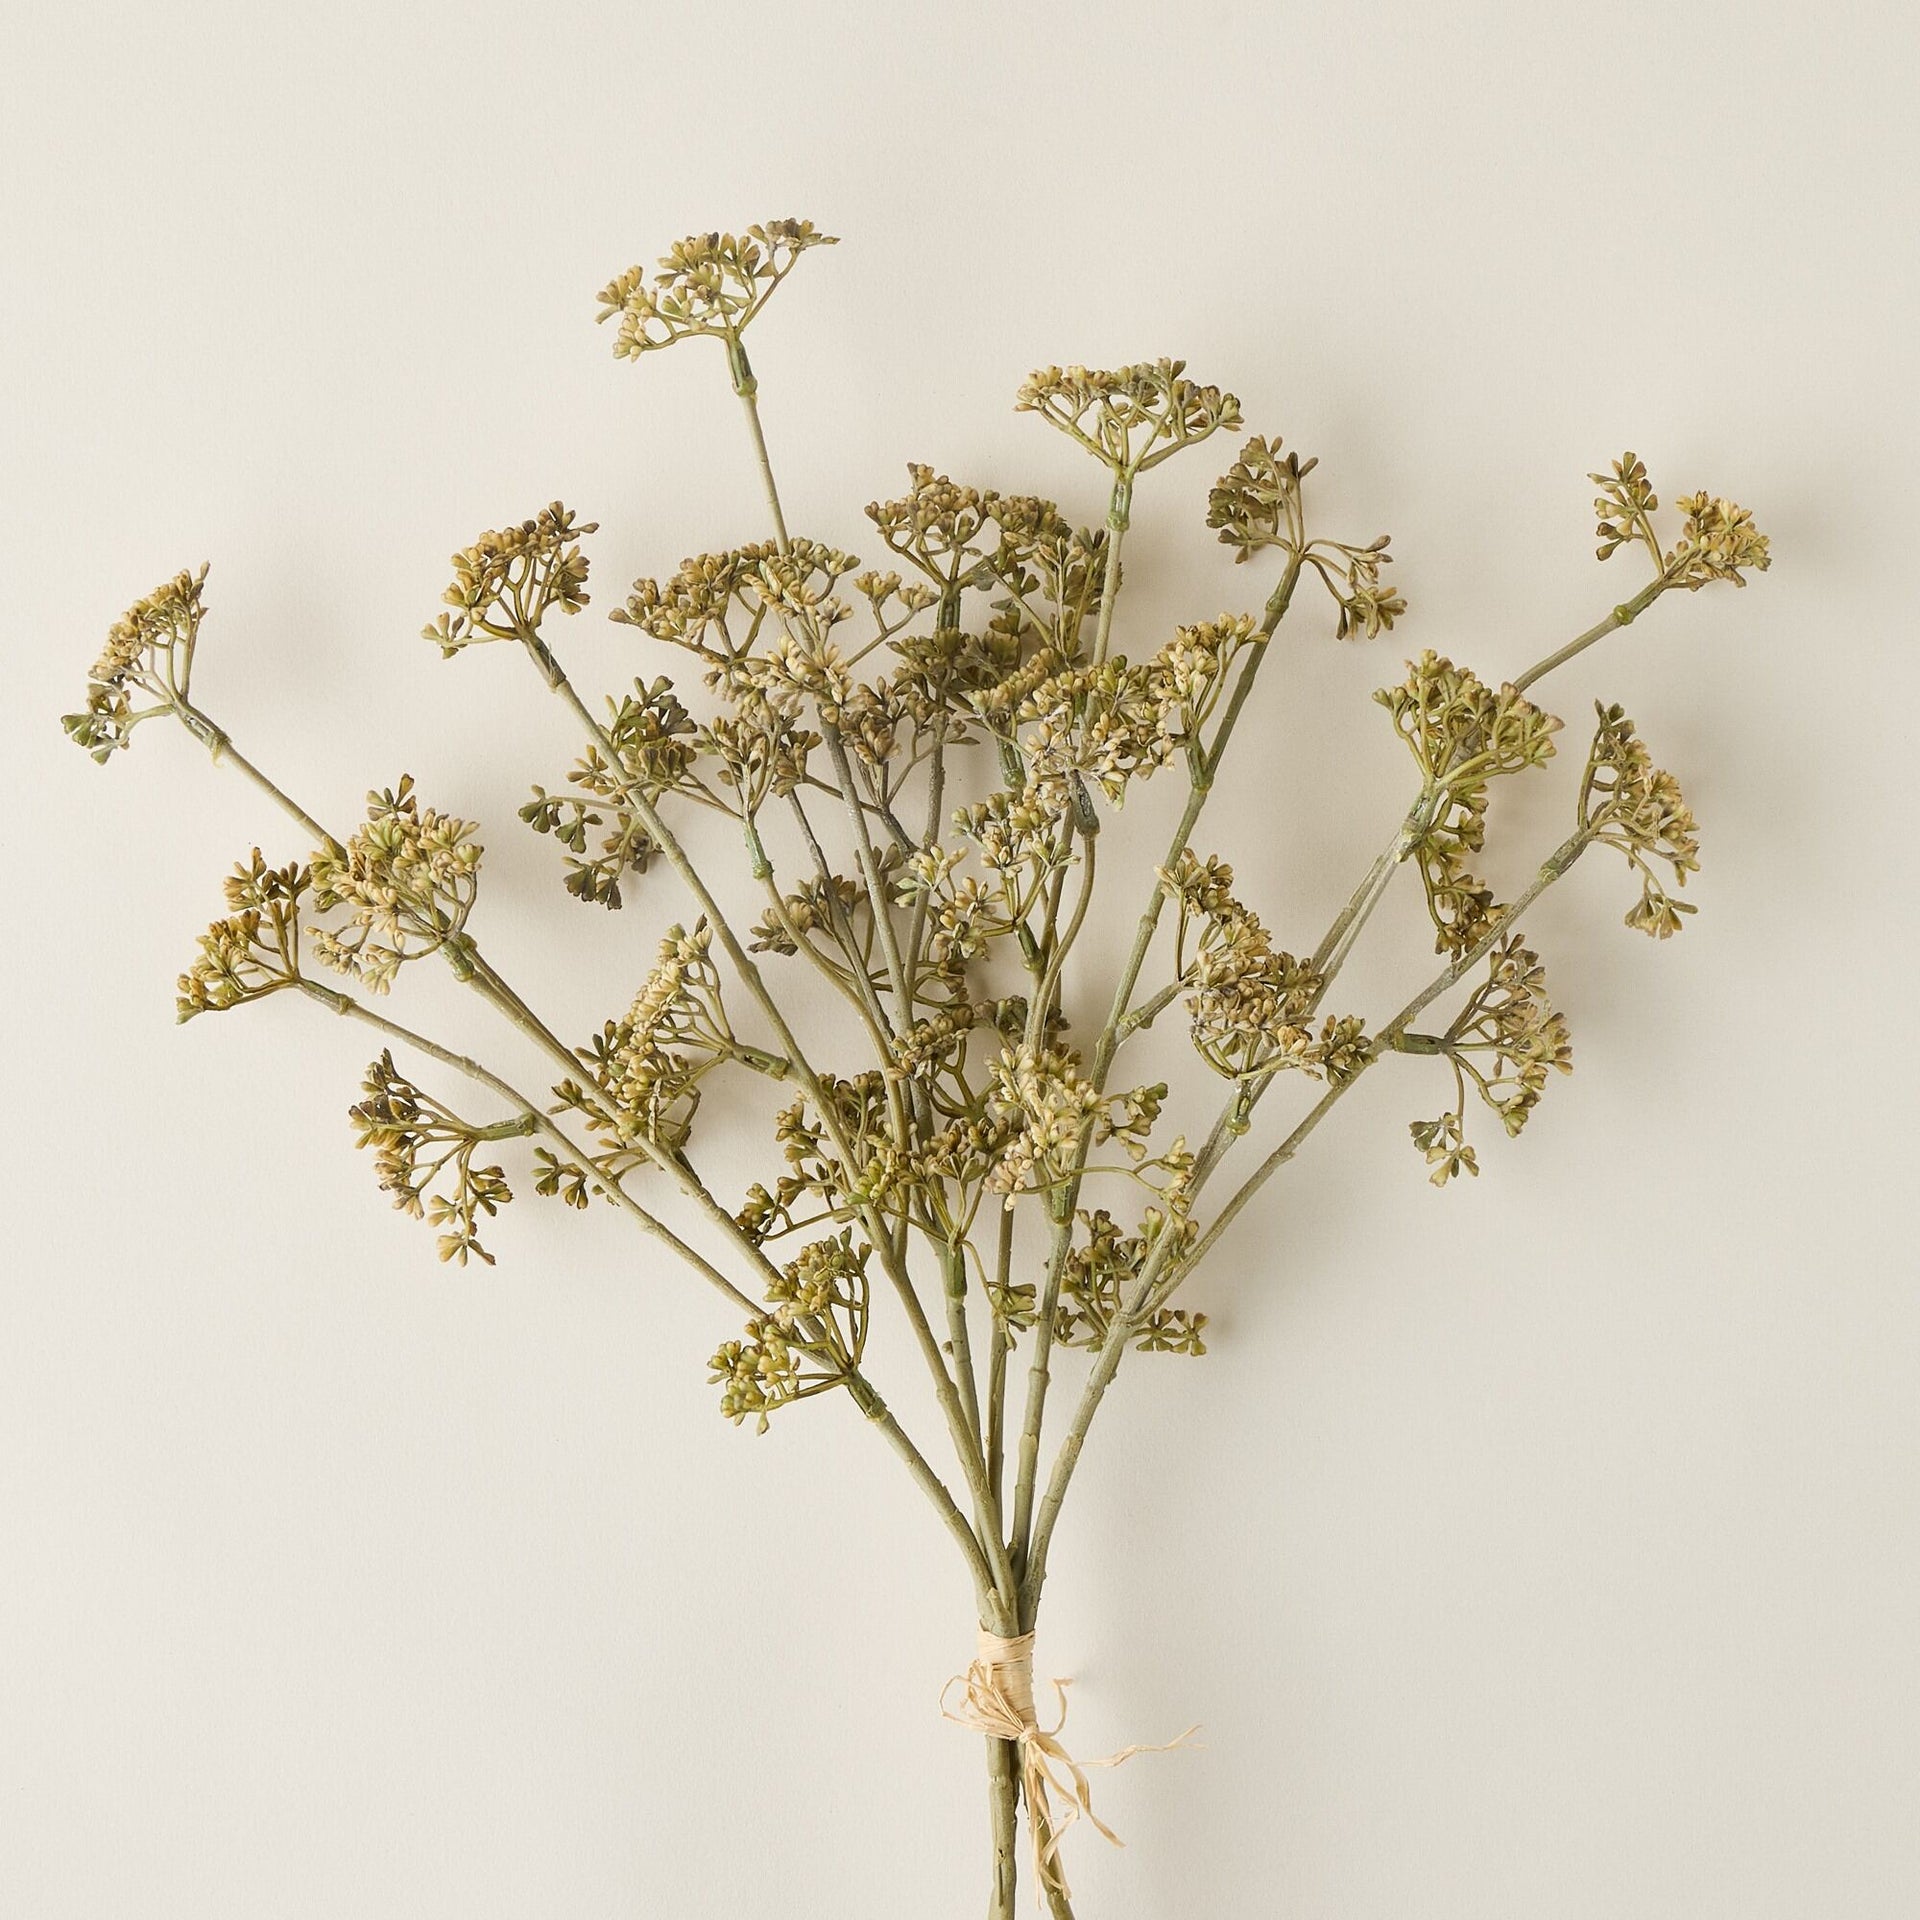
[1547,1545]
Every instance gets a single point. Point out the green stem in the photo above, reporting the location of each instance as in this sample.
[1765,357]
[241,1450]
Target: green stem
[748,388]
[345,1003]
[1039,1380]
[997,1361]
[936,799]
[1623,615]
[1119,516]
[1333,950]
[953,1274]
[219,745]
[967,1445]
[1148,1290]
[864,1396]
[1338,942]
[1200,789]
[1054,947]
[993,1581]
[870,874]
[843,934]
[1003,1812]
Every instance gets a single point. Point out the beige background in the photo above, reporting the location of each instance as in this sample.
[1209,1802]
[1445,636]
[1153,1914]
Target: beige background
[1546,1547]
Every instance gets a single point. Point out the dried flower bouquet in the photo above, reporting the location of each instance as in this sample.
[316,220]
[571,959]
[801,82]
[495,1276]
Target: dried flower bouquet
[922,764]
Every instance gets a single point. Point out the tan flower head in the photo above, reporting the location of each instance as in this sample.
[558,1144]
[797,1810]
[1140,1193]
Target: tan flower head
[406,882]
[1131,418]
[148,658]
[508,581]
[1628,803]
[709,283]
[1718,540]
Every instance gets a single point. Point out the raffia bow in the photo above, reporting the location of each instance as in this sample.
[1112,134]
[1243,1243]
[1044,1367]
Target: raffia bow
[997,1700]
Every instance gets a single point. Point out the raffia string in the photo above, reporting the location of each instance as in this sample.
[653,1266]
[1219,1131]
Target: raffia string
[997,1700]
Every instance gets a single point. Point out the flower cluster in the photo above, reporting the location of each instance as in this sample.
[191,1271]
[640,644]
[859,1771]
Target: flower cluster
[936,525]
[148,655]
[1046,1104]
[717,603]
[509,580]
[1075,728]
[406,882]
[1101,1271]
[254,952]
[1045,1107]
[1461,908]
[1257,503]
[1013,830]
[754,762]
[1460,731]
[831,907]
[1089,726]
[1624,508]
[756,1375]
[1717,538]
[647,1066]
[817,1173]
[1133,417]
[1352,576]
[424,1154]
[1249,1004]
[648,742]
[1716,541]
[625,848]
[1508,1036]
[813,1336]
[964,912]
[827,1284]
[708,283]
[1628,803]
[1504,1042]
[804,664]
[1053,575]
[960,537]
[1443,1142]
[1462,734]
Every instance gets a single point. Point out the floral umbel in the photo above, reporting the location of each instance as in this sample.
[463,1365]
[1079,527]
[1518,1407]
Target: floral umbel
[505,583]
[404,884]
[711,283]
[145,669]
[424,1154]
[876,816]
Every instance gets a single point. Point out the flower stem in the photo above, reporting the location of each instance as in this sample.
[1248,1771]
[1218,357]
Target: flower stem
[1152,1284]
[1003,1814]
[1039,1377]
[1623,615]
[1333,950]
[748,388]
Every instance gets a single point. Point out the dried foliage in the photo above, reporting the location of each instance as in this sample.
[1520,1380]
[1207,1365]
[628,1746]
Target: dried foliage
[909,974]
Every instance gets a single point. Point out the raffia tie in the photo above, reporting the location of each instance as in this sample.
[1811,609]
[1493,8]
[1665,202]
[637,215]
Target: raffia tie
[997,1700]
